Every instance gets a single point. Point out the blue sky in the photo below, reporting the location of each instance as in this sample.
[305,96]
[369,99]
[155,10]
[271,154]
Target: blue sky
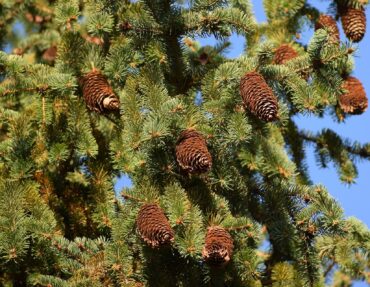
[354,199]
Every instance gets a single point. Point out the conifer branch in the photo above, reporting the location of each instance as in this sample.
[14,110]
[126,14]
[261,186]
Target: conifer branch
[329,268]
[39,89]
[131,198]
[356,149]
[43,112]
[238,228]
[176,75]
[59,161]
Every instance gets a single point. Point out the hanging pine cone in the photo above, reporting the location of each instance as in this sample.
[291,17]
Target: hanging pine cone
[218,247]
[328,22]
[258,97]
[153,225]
[284,53]
[354,23]
[192,153]
[354,101]
[98,94]
[50,54]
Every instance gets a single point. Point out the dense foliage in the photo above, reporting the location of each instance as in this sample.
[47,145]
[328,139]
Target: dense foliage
[95,89]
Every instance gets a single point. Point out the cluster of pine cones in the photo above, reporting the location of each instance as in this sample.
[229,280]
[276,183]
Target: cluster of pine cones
[155,230]
[354,99]
[353,23]
[258,97]
[192,153]
[193,157]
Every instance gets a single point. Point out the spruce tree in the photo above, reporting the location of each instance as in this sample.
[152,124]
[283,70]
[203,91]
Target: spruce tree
[95,89]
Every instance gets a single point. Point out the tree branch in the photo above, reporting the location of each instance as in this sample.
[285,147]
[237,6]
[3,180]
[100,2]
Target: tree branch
[357,149]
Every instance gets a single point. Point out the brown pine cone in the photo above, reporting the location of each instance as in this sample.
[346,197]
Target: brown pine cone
[355,100]
[328,22]
[125,26]
[192,153]
[153,225]
[258,97]
[50,54]
[284,53]
[218,247]
[98,94]
[354,23]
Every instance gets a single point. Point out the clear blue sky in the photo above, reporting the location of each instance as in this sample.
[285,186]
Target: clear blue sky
[355,199]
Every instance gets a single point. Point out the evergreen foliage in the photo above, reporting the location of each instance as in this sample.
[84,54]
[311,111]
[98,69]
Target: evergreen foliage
[61,223]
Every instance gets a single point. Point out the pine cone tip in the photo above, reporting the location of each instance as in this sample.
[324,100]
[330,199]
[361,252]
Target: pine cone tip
[98,94]
[111,103]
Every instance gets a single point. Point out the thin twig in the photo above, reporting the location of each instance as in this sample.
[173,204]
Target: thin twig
[130,197]
[43,113]
[330,267]
[237,228]
[361,151]
[114,121]
[35,89]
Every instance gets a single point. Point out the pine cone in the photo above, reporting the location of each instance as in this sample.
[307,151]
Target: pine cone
[153,225]
[50,54]
[98,94]
[354,23]
[218,247]
[328,22]
[192,153]
[258,97]
[284,53]
[354,101]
